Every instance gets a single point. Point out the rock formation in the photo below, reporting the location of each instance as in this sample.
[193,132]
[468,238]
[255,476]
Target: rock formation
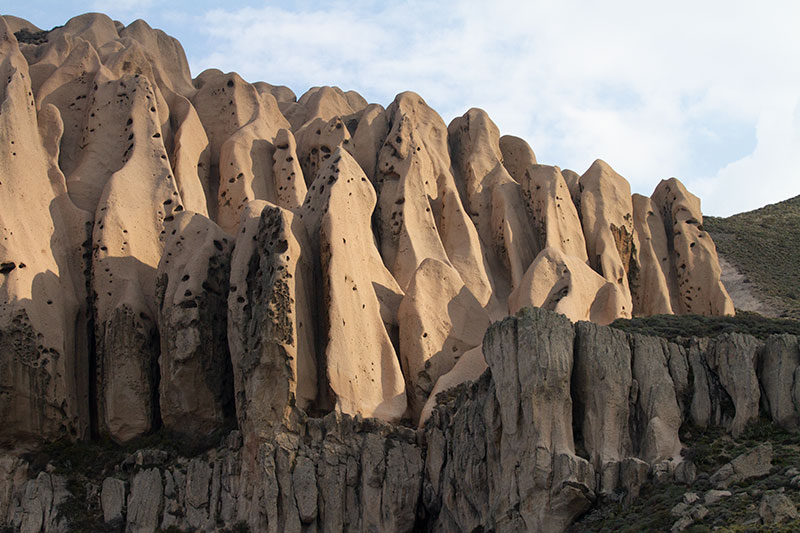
[190,254]
[566,416]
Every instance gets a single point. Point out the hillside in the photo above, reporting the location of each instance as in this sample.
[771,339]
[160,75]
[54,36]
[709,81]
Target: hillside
[764,245]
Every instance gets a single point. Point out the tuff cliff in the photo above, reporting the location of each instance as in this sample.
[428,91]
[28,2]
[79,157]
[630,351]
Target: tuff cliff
[196,254]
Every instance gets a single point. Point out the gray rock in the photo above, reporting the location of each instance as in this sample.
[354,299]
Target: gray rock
[778,361]
[144,504]
[657,412]
[685,472]
[733,358]
[112,499]
[698,512]
[713,496]
[198,480]
[690,497]
[679,509]
[755,463]
[601,381]
[38,506]
[633,474]
[305,489]
[776,508]
[682,523]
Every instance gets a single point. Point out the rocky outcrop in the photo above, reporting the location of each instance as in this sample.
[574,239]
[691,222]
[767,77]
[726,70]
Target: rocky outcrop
[121,141]
[439,320]
[187,254]
[192,286]
[693,256]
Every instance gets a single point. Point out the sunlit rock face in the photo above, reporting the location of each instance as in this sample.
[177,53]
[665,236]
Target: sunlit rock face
[198,254]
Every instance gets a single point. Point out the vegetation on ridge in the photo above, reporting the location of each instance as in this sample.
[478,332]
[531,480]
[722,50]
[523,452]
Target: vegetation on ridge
[764,245]
[673,326]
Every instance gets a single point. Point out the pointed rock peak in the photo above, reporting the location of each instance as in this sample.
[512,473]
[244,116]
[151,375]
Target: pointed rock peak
[517,156]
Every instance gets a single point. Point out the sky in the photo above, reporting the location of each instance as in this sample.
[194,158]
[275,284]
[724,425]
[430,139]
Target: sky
[708,92]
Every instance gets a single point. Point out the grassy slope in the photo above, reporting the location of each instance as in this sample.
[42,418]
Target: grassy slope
[765,246]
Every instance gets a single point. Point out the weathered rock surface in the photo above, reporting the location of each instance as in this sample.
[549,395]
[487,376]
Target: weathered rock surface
[607,217]
[754,463]
[693,256]
[193,274]
[776,508]
[439,320]
[175,248]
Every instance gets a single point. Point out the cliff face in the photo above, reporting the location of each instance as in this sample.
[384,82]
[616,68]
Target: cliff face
[197,254]
[566,416]
[355,252]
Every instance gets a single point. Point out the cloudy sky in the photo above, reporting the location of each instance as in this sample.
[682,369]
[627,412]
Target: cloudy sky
[708,92]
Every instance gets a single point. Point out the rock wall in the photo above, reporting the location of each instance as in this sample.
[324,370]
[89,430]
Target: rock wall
[122,175]
[193,254]
[565,416]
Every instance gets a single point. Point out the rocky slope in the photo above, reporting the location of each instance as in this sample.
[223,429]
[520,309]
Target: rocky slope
[191,255]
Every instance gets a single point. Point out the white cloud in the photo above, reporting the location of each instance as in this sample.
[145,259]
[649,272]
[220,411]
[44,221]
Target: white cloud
[121,6]
[635,84]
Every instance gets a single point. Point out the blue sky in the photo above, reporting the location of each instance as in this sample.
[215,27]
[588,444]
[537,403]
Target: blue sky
[708,92]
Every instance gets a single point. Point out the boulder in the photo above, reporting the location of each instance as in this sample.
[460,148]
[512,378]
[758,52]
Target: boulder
[755,463]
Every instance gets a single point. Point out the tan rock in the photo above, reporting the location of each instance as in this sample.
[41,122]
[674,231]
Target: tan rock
[566,285]
[246,160]
[359,295]
[195,387]
[368,137]
[128,241]
[439,321]
[290,187]
[517,156]
[166,56]
[607,216]
[573,181]
[469,367]
[324,103]
[68,85]
[96,28]
[493,199]
[555,221]
[420,210]
[316,142]
[191,158]
[281,93]
[694,256]
[652,283]
[42,295]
